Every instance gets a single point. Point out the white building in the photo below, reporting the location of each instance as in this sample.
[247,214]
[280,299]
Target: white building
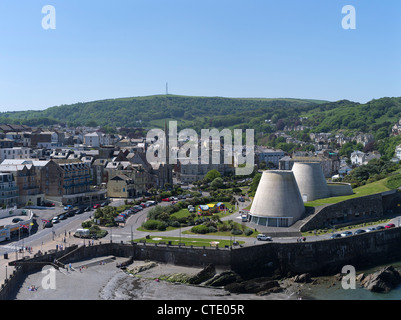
[358,157]
[269,155]
[15,153]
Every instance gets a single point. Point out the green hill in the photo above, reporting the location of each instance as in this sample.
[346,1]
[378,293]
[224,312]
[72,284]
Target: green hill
[153,110]
[376,116]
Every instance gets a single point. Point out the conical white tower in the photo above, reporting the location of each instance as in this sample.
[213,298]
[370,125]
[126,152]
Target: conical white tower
[311,181]
[277,202]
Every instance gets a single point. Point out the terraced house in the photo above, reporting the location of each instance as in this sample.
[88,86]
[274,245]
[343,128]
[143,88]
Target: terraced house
[8,190]
[68,181]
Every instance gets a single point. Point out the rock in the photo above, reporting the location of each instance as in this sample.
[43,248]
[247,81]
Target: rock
[252,286]
[208,272]
[143,267]
[302,278]
[360,277]
[223,279]
[176,278]
[383,280]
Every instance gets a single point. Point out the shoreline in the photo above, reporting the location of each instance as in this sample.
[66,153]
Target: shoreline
[104,281]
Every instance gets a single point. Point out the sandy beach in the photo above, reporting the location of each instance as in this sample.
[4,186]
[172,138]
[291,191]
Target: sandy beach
[100,279]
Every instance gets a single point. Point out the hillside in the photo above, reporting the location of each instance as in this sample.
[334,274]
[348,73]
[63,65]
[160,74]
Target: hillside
[376,116]
[153,110]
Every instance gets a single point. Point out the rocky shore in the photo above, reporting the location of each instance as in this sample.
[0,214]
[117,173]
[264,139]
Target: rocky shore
[147,280]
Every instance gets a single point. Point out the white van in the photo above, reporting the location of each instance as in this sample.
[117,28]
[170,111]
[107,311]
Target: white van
[82,232]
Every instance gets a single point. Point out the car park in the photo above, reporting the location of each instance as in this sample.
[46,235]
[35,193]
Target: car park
[390,225]
[346,233]
[263,237]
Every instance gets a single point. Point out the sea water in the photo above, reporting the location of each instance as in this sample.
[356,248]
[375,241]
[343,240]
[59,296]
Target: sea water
[323,291]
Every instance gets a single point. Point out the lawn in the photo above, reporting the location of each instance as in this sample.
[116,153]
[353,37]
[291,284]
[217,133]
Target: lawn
[196,242]
[368,189]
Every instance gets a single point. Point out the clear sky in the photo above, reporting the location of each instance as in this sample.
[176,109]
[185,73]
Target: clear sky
[231,48]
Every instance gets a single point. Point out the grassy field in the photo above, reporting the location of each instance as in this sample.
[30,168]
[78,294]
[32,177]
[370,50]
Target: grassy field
[196,242]
[369,189]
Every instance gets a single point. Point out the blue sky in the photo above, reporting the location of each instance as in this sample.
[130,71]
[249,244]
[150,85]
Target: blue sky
[255,48]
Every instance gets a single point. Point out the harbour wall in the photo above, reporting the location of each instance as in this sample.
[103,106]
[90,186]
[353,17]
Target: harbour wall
[318,258]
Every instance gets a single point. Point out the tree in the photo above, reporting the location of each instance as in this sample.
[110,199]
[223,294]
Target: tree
[217,183]
[255,183]
[212,174]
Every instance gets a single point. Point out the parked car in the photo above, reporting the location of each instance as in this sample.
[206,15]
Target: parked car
[379,228]
[335,235]
[70,213]
[79,211]
[48,224]
[96,206]
[55,220]
[346,233]
[390,225]
[371,229]
[62,217]
[359,231]
[16,220]
[241,199]
[88,208]
[263,237]
[166,199]
[49,204]
[68,207]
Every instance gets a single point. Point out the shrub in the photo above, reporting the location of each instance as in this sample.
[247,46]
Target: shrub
[175,224]
[162,226]
[152,224]
[212,229]
[236,232]
[86,224]
[248,232]
[201,229]
[94,229]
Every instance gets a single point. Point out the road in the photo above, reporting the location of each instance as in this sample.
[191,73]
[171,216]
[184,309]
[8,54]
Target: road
[62,232]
